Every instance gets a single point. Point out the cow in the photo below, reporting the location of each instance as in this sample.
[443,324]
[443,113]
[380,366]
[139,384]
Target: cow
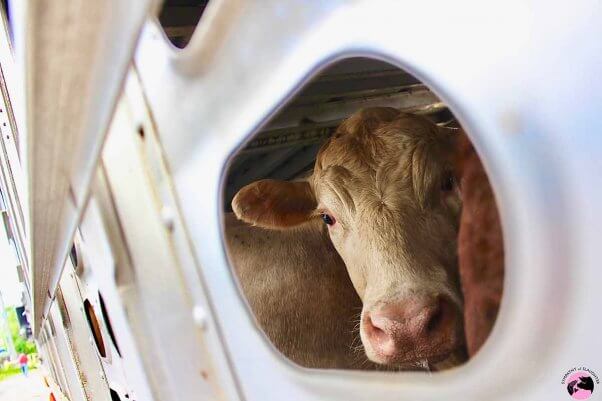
[384,188]
[299,291]
[480,247]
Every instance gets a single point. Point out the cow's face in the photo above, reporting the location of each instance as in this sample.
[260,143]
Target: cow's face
[384,187]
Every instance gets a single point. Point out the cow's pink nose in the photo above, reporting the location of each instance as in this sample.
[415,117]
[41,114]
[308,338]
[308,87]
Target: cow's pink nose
[412,329]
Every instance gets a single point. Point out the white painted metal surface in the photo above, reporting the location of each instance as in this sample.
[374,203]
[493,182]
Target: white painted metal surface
[98,271]
[94,383]
[523,78]
[177,351]
[75,58]
[74,387]
[12,182]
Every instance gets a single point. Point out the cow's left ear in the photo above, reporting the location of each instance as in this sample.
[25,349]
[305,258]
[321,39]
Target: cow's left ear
[275,204]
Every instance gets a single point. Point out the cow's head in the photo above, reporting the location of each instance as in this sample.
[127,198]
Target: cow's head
[383,185]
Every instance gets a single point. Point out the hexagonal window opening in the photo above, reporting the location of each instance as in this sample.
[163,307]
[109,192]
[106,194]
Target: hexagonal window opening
[361,226]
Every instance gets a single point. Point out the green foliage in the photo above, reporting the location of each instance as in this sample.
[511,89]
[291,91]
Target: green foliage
[9,370]
[22,345]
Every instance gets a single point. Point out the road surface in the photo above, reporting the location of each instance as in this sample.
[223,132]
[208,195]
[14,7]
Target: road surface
[20,388]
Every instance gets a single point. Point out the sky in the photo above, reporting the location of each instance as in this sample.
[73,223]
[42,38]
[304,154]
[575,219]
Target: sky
[9,280]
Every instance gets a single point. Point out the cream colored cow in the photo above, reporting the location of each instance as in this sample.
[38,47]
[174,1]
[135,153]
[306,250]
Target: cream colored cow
[383,186]
[299,291]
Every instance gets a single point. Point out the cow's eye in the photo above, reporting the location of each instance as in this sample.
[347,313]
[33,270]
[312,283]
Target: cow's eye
[448,182]
[328,219]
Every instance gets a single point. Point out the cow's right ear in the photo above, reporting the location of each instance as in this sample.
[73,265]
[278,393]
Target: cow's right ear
[275,204]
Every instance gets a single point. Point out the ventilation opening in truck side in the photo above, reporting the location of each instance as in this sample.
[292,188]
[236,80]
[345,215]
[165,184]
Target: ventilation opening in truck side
[361,226]
[109,326]
[95,328]
[179,19]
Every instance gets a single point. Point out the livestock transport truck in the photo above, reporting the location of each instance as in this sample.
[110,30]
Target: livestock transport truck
[128,126]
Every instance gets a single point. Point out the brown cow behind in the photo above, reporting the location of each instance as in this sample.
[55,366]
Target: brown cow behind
[480,248]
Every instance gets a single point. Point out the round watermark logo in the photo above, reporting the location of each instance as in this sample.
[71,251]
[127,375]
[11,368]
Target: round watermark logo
[580,382]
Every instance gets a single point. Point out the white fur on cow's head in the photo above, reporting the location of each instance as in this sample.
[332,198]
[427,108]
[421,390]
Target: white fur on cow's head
[384,185]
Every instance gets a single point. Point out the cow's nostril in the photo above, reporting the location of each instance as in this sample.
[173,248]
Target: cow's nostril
[435,318]
[441,317]
[376,326]
[379,331]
